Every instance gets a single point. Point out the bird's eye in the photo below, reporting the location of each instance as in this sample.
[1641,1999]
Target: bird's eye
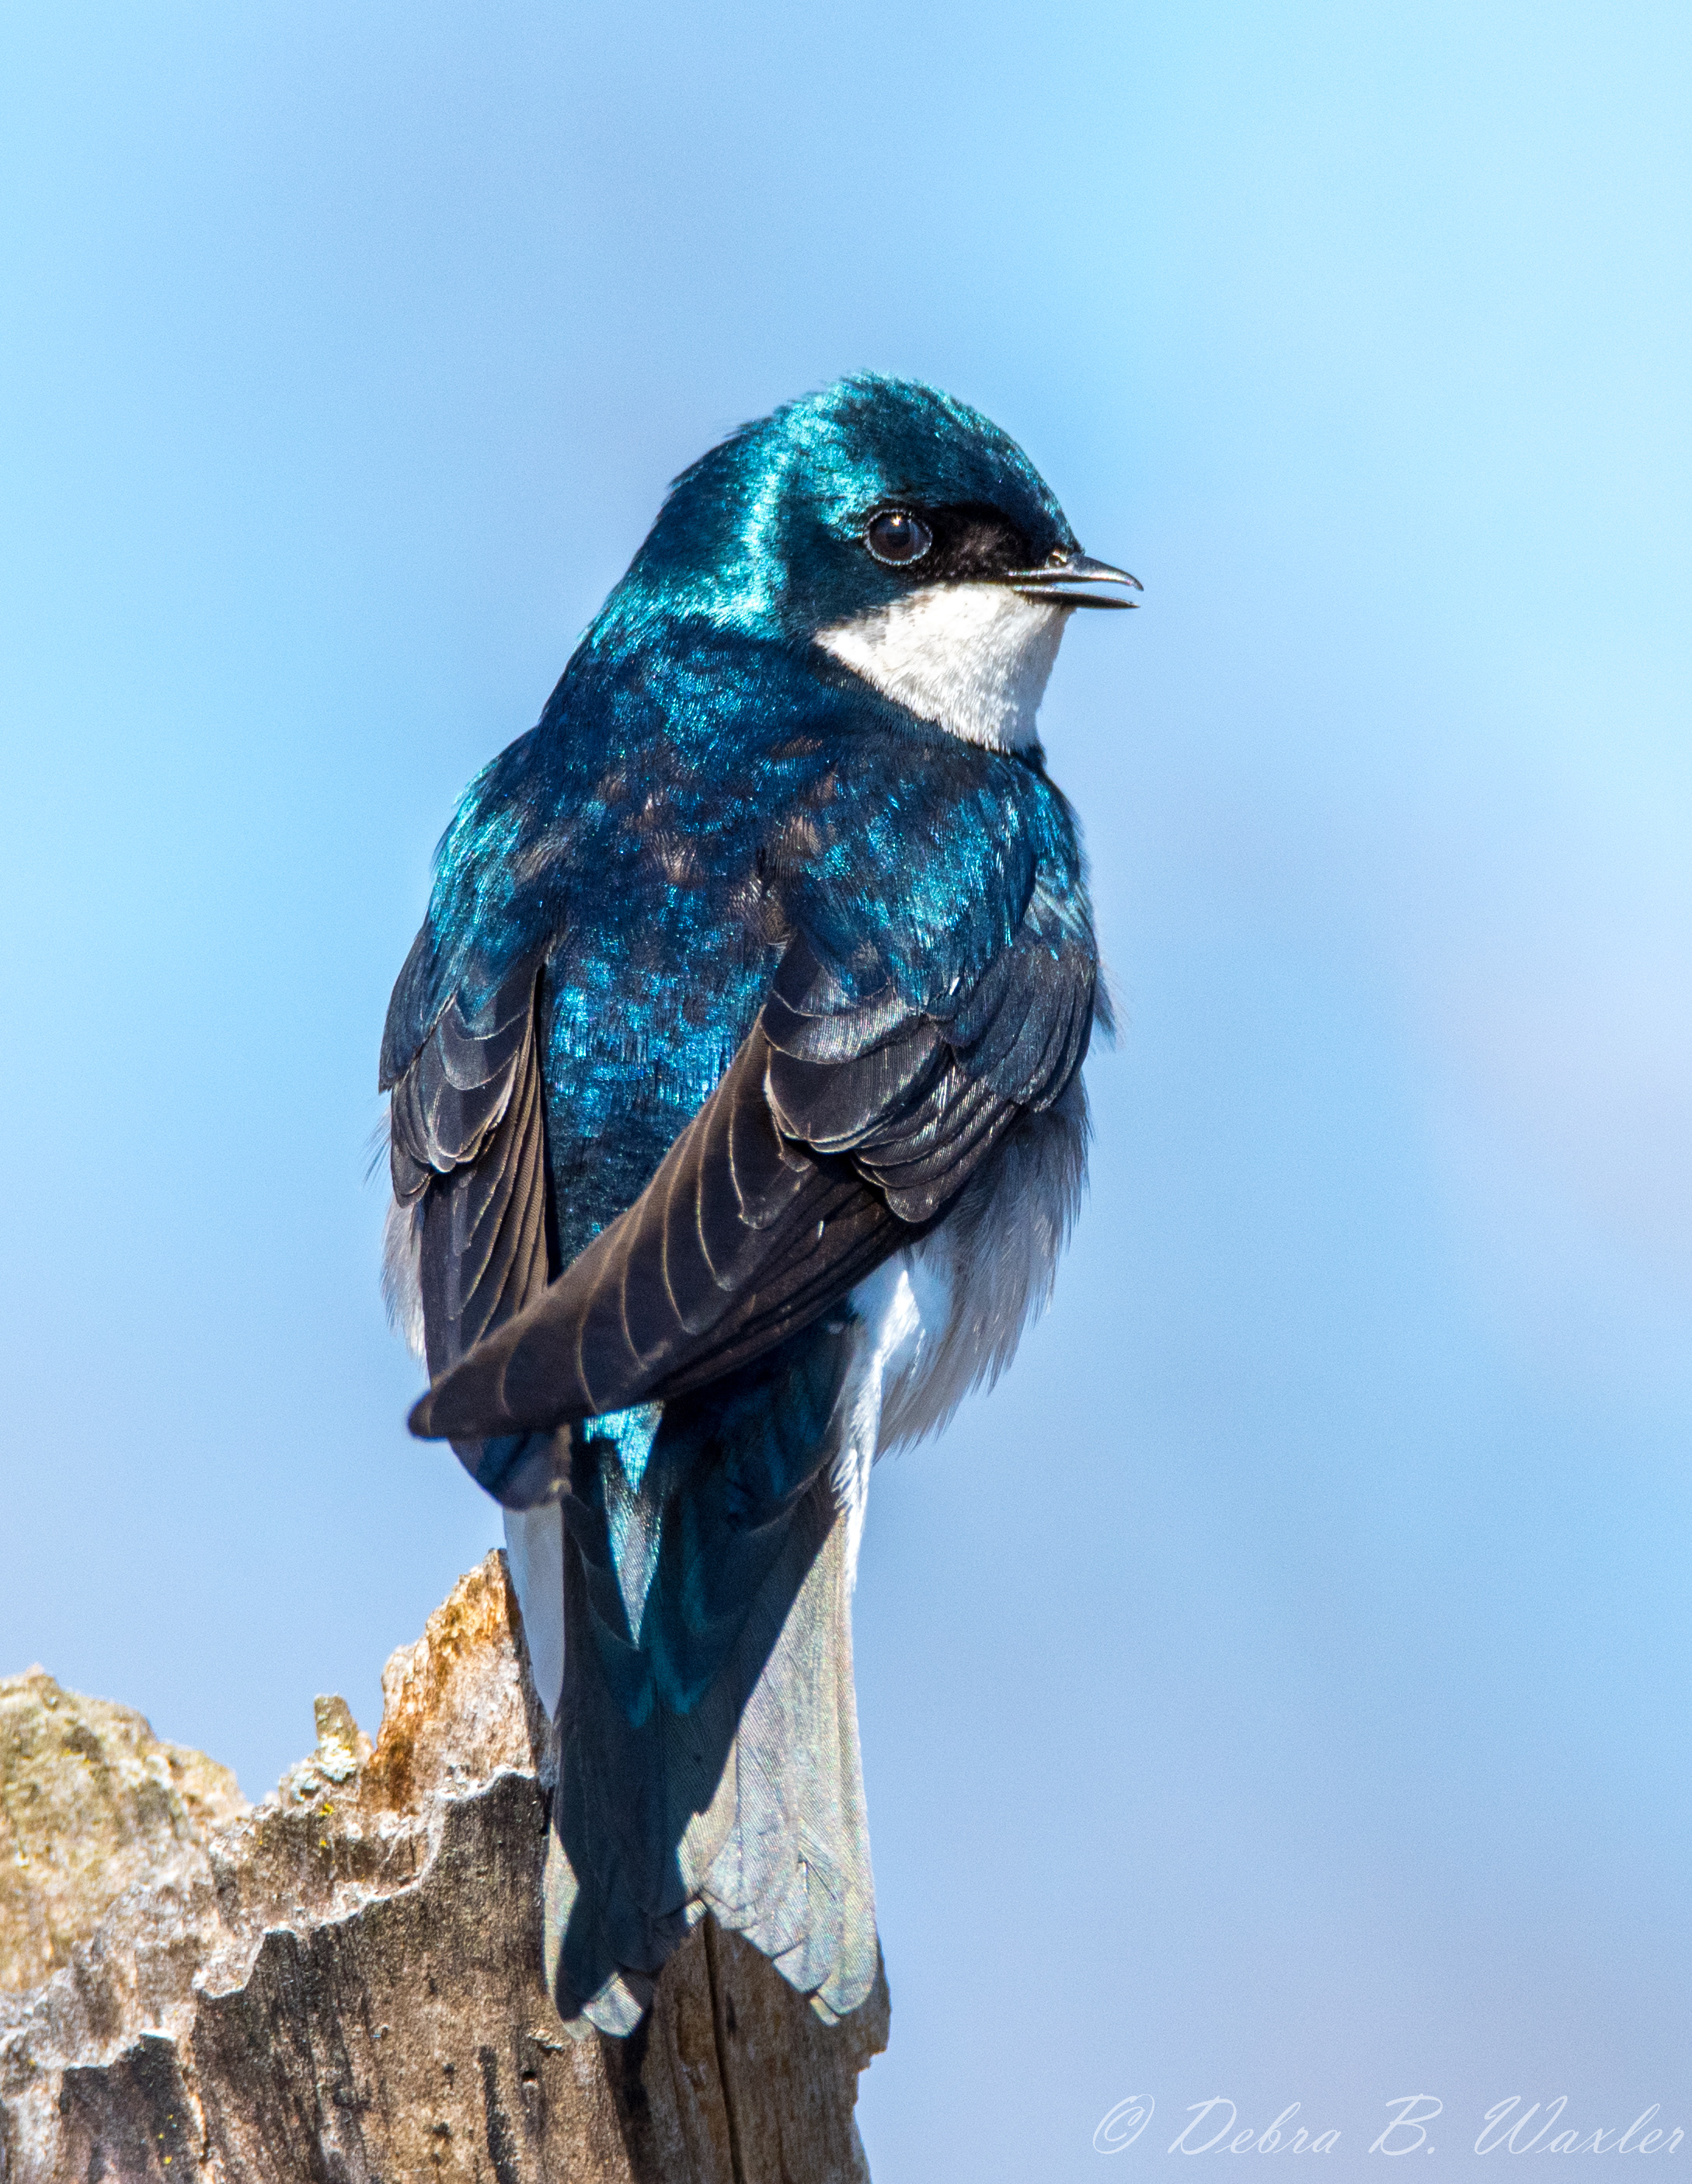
[898,537]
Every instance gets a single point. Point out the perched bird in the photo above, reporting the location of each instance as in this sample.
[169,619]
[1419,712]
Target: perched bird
[737,1125]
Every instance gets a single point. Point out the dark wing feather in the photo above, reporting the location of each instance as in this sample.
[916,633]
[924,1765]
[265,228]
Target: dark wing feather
[741,1236]
[466,1137]
[840,1129]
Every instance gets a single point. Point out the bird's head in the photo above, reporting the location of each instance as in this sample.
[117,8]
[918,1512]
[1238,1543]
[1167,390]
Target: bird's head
[895,528]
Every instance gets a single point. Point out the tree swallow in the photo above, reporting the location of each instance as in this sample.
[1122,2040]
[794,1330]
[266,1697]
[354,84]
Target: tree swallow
[737,1126]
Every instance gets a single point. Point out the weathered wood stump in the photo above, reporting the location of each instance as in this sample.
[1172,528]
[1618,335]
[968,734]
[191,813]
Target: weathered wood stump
[343,1984]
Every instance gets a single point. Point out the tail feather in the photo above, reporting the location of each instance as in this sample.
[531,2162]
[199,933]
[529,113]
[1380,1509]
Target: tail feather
[787,1862]
[709,1744]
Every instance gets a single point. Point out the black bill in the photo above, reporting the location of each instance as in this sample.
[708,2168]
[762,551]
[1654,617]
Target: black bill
[1076,581]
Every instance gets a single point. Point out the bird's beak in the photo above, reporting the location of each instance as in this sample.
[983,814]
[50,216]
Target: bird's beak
[1074,580]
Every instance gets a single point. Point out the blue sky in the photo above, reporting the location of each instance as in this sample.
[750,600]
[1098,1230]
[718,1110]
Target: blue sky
[1278,1687]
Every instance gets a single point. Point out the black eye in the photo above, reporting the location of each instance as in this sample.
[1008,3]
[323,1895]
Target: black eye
[898,537]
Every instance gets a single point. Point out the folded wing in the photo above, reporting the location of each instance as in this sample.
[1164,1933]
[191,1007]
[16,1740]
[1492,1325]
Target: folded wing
[843,1127]
[467,1154]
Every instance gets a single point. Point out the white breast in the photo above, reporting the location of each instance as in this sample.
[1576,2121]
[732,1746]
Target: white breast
[974,658]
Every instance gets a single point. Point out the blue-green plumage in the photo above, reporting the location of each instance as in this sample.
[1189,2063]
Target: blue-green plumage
[736,1123]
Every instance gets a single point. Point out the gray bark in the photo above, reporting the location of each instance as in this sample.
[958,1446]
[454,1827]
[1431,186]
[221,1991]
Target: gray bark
[343,1985]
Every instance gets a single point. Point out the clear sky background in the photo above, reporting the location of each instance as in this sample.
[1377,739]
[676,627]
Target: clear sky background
[1279,1688]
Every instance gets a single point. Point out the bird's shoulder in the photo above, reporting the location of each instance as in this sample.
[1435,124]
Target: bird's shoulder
[711,788]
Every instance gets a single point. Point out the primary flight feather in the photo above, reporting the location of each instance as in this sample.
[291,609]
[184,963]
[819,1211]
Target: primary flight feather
[737,1124]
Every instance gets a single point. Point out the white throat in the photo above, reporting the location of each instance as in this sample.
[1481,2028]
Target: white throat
[974,658]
